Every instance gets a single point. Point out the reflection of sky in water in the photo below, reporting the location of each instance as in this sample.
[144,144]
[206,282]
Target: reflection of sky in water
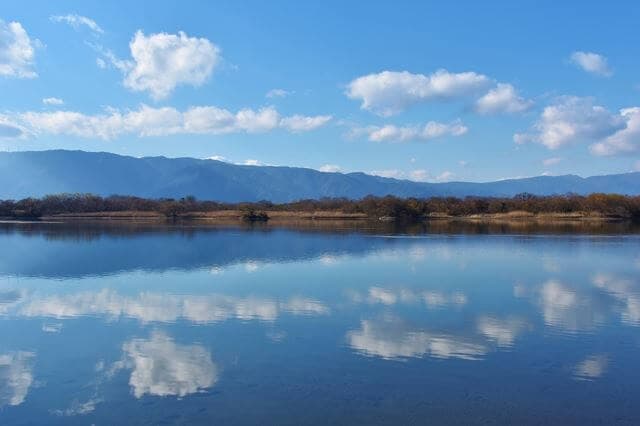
[328,321]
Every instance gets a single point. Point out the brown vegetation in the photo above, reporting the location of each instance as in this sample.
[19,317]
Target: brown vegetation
[523,206]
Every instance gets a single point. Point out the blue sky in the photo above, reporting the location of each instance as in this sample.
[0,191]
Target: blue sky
[426,91]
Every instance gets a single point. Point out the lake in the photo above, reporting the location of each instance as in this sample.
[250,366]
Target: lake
[150,324]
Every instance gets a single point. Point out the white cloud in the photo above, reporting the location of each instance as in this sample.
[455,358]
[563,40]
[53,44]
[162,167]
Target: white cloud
[431,130]
[162,367]
[389,173]
[148,121]
[52,101]
[502,98]
[277,93]
[161,62]
[592,63]
[390,92]
[551,161]
[300,123]
[330,168]
[419,175]
[17,51]
[570,120]
[218,158]
[251,267]
[10,130]
[445,176]
[625,140]
[77,21]
[391,339]
[16,377]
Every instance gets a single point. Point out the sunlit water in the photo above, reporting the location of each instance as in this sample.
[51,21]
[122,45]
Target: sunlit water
[102,325]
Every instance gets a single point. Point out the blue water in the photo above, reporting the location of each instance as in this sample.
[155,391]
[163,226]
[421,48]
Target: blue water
[172,325]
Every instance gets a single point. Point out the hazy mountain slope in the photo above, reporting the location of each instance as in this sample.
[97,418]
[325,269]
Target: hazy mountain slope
[37,173]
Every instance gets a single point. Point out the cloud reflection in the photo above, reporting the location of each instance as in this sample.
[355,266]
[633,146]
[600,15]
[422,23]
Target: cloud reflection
[625,292]
[502,331]
[162,367]
[591,368]
[568,309]
[390,297]
[16,377]
[165,307]
[391,339]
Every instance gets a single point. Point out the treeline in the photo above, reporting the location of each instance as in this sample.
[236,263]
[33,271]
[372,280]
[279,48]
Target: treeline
[612,205]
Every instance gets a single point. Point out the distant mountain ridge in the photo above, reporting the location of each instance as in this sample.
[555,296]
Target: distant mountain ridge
[38,173]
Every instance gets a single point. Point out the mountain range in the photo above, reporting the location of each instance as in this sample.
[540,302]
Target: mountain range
[38,173]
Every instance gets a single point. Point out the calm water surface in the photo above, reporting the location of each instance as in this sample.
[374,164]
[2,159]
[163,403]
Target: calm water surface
[163,325]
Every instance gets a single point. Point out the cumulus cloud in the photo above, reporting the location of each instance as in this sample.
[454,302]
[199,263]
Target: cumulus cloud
[52,101]
[417,175]
[17,51]
[592,63]
[502,99]
[16,377]
[9,130]
[624,141]
[330,168]
[162,367]
[300,123]
[571,120]
[277,93]
[161,62]
[552,161]
[428,131]
[445,176]
[389,173]
[218,158]
[149,121]
[389,92]
[78,21]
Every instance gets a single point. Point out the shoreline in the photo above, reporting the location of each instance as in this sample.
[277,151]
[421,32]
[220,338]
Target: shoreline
[287,216]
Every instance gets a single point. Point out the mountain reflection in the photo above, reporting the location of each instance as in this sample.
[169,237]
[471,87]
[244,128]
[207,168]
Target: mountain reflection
[226,314]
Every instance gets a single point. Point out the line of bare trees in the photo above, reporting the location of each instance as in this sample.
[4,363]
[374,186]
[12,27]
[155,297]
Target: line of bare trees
[409,208]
